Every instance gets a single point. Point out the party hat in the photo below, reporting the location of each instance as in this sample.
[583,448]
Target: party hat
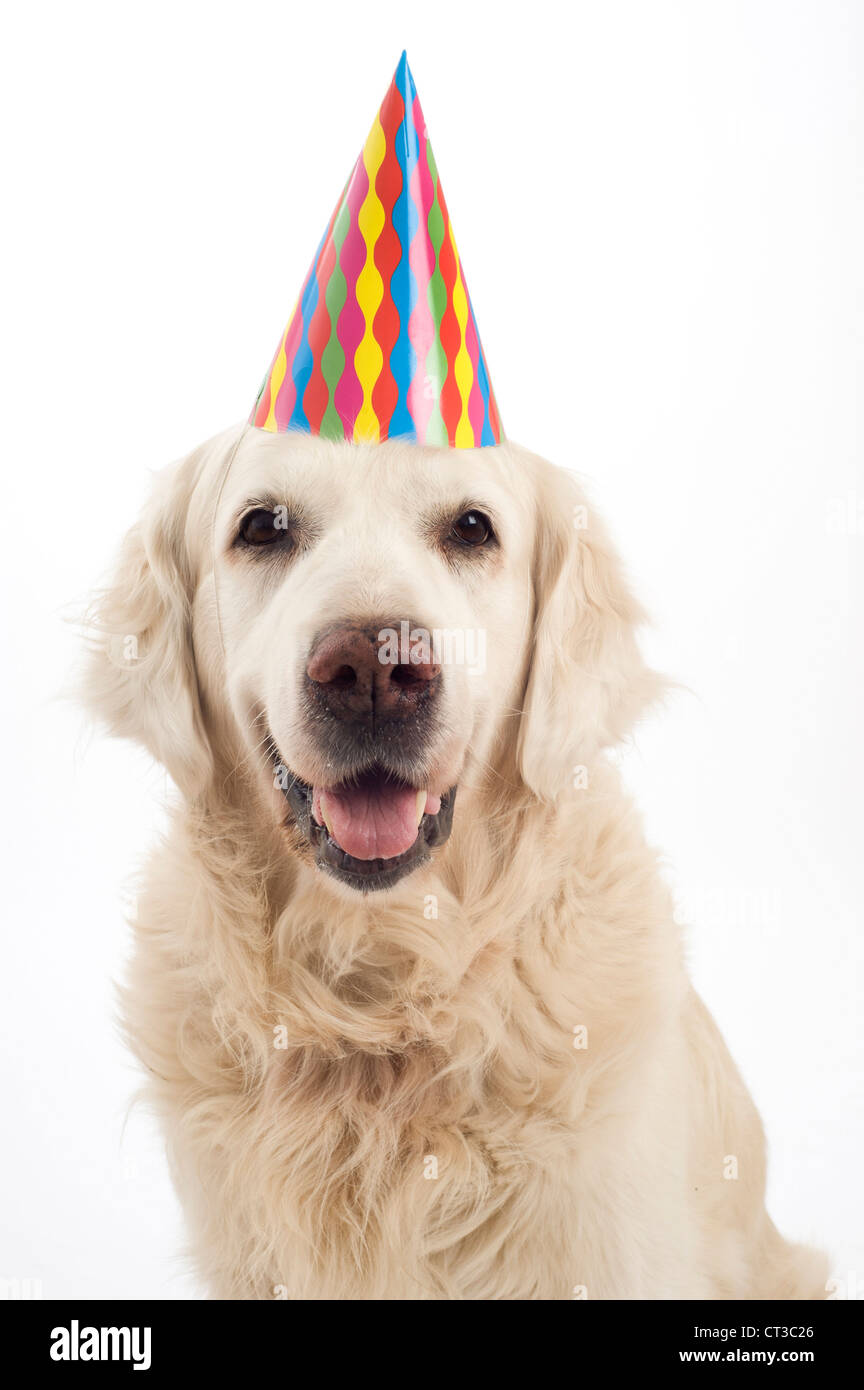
[383,342]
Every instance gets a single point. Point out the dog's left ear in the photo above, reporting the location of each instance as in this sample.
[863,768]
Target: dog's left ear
[587,682]
[141,679]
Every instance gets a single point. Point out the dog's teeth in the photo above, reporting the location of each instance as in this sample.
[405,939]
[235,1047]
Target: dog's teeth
[421,805]
[322,806]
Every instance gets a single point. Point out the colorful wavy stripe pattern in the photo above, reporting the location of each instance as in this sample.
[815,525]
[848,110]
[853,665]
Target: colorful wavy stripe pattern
[383,342]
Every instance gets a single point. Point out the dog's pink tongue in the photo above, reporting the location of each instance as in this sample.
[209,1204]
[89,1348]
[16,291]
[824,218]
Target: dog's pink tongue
[376,822]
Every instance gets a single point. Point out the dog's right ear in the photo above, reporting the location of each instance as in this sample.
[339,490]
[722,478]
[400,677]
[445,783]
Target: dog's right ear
[588,683]
[140,678]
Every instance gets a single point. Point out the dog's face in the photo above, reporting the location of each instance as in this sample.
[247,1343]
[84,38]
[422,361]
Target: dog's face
[369,629]
[375,608]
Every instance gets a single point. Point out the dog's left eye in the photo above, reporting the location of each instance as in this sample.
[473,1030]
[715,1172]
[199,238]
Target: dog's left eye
[263,527]
[471,528]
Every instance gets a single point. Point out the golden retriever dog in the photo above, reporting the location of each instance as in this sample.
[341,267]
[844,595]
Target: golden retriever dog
[407,984]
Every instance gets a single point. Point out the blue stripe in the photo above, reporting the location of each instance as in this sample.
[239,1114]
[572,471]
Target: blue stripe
[403,282]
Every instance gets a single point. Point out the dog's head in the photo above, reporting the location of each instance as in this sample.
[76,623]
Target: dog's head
[363,630]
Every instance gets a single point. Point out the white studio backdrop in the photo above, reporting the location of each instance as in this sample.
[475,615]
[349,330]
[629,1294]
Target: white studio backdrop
[659,211]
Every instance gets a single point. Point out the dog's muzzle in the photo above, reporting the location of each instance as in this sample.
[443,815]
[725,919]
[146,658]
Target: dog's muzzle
[372,720]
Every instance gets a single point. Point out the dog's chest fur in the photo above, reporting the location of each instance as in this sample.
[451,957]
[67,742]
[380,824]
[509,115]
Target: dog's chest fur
[379,1104]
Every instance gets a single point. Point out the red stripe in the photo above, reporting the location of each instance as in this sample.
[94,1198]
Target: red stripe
[388,253]
[451,401]
[317,392]
[262,409]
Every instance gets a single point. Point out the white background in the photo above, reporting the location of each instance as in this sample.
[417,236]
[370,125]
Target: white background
[657,208]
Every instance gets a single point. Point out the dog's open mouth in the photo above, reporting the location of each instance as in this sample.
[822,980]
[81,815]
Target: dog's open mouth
[369,831]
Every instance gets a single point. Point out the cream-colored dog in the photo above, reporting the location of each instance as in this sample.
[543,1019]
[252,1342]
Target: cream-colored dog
[407,982]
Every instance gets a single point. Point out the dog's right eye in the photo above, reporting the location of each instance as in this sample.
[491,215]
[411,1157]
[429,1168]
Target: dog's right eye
[263,527]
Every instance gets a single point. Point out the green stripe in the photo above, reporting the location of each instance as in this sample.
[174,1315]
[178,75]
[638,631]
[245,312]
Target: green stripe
[436,359]
[333,356]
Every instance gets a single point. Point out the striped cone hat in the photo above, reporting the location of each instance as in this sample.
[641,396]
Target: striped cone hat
[383,342]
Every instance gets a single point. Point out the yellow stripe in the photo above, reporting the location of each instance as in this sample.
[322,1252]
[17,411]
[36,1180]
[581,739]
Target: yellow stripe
[277,376]
[368,358]
[463,369]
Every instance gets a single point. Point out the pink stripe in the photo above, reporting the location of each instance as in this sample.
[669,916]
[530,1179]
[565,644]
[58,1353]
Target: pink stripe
[348,396]
[421,257]
[475,396]
[288,390]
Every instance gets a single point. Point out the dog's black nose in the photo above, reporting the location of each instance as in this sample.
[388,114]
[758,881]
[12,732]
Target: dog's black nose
[356,676]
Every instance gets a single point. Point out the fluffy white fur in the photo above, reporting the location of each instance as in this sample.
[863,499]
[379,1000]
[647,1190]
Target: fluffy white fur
[410,1043]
